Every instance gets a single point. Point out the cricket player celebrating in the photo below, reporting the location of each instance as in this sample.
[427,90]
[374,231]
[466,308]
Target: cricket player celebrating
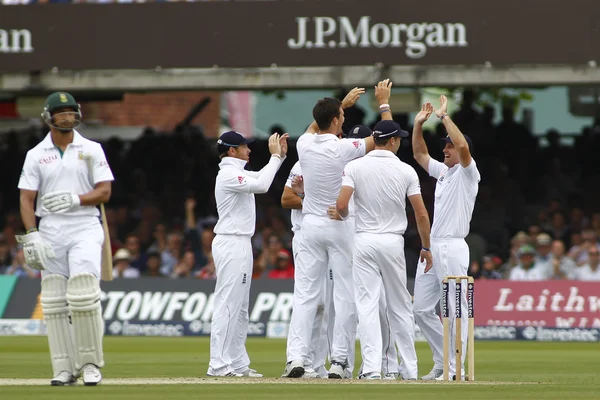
[328,242]
[380,183]
[232,249]
[293,193]
[68,246]
[455,193]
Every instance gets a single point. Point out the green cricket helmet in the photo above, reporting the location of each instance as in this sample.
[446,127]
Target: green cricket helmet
[58,101]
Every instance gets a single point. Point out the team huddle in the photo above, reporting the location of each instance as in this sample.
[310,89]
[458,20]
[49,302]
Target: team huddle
[348,200]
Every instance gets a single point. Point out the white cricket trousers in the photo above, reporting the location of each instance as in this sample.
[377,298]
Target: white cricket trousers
[450,257]
[233,259]
[320,341]
[328,245]
[379,261]
[77,243]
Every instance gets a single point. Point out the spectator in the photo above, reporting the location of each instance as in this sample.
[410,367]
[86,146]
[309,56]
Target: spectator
[590,271]
[170,256]
[153,265]
[122,265]
[543,243]
[488,270]
[527,270]
[185,266]
[579,253]
[132,245]
[284,268]
[562,267]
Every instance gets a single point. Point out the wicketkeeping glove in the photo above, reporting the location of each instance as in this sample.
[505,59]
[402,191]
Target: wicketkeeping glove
[57,202]
[37,253]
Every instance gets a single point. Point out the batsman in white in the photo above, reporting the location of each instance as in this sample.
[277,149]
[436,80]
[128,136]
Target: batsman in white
[380,183]
[322,160]
[68,246]
[455,193]
[232,249]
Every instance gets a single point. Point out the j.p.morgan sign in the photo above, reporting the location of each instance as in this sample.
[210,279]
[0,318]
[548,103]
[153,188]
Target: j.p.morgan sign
[340,32]
[241,34]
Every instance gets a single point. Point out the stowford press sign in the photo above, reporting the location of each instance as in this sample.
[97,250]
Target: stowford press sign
[340,32]
[15,41]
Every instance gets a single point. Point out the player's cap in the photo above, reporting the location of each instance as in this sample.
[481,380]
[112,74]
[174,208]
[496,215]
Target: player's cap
[526,249]
[231,139]
[359,132]
[60,100]
[122,254]
[447,139]
[386,129]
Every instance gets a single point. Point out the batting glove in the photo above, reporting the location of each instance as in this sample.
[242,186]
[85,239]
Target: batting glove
[62,201]
[36,251]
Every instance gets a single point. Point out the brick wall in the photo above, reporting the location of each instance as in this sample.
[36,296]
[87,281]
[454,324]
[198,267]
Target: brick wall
[161,110]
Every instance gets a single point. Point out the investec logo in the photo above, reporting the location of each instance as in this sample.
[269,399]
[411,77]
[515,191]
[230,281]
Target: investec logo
[341,33]
[15,41]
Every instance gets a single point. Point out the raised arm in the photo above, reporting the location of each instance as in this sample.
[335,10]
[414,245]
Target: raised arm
[458,140]
[420,151]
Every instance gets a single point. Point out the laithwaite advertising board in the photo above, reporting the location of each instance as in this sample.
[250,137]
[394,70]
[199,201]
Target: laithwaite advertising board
[298,33]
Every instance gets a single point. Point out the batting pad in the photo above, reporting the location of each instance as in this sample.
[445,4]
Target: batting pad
[83,295]
[56,315]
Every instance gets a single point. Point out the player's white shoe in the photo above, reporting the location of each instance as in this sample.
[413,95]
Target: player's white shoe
[310,373]
[91,375]
[370,376]
[391,376]
[322,371]
[63,378]
[433,374]
[452,378]
[249,372]
[336,371]
[223,373]
[293,369]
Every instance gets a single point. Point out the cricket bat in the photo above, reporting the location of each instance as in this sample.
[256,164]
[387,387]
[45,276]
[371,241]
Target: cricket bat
[106,273]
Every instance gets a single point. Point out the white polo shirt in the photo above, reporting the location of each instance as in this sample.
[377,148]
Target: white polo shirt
[234,193]
[47,169]
[381,184]
[296,215]
[322,160]
[455,194]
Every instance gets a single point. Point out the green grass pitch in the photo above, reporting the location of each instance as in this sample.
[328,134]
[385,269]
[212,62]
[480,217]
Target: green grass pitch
[134,366]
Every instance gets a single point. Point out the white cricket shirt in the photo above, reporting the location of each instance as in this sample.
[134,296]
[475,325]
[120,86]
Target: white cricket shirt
[455,194]
[47,170]
[322,160]
[234,193]
[381,184]
[296,215]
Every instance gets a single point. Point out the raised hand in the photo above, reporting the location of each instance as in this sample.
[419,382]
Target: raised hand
[275,145]
[352,97]
[284,144]
[443,110]
[424,114]
[383,90]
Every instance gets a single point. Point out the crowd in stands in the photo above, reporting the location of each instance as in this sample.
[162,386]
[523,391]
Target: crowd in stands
[536,214]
